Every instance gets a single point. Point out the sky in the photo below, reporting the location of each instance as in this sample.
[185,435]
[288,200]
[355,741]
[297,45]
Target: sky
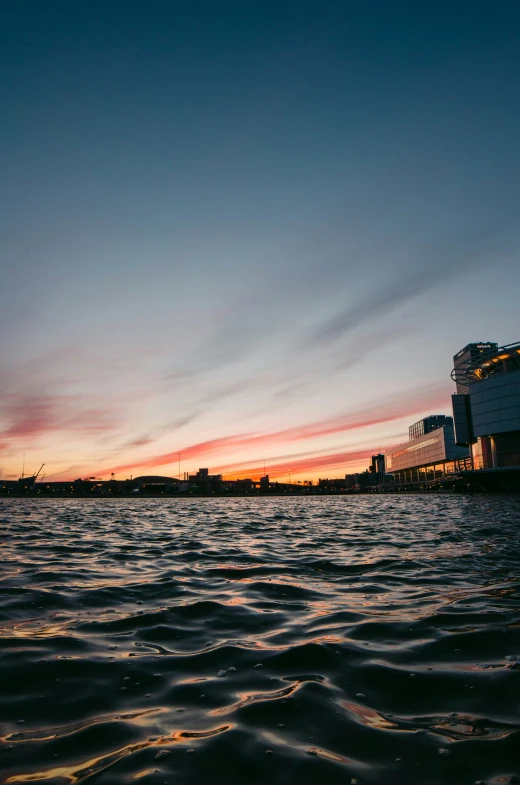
[250,233]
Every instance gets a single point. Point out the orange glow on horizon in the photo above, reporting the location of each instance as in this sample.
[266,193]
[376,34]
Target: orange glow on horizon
[377,413]
[223,453]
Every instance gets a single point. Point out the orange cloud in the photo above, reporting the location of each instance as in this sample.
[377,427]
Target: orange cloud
[378,413]
[308,466]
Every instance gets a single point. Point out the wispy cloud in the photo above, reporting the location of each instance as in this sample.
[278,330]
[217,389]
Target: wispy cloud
[433,268]
[31,417]
[64,391]
[338,461]
[379,412]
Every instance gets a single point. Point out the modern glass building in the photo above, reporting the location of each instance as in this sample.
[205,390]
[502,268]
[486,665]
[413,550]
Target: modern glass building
[487,416]
[427,457]
[428,424]
[466,357]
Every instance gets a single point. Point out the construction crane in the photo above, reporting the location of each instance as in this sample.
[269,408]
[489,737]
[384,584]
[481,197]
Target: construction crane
[29,482]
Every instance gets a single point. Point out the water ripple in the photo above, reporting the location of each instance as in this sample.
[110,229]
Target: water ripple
[274,640]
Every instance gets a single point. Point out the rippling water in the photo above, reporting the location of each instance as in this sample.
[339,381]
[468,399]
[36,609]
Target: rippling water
[331,640]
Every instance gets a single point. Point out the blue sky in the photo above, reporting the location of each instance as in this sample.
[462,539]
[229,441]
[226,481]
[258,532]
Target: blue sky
[225,224]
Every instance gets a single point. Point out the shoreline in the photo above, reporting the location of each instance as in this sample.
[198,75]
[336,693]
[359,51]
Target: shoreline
[245,495]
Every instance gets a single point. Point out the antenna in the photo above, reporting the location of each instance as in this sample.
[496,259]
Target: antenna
[23,466]
[179,475]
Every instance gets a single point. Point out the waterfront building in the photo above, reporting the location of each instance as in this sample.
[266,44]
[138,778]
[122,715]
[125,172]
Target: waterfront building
[377,464]
[367,480]
[466,357]
[486,407]
[427,424]
[429,456]
[155,484]
[205,481]
[324,484]
[247,484]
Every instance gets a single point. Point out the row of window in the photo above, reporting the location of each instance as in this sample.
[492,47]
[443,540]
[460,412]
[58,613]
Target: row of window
[419,446]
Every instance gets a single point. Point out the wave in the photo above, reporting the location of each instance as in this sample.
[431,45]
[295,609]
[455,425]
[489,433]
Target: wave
[226,640]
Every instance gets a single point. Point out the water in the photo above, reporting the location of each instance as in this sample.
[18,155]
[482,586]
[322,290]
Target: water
[328,640]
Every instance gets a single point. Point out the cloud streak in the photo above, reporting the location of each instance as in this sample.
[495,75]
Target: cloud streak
[434,269]
[377,413]
[32,417]
[327,462]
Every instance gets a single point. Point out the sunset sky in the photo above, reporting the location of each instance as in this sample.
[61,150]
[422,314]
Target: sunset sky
[248,232]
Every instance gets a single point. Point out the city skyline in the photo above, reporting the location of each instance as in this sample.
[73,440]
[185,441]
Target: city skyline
[248,235]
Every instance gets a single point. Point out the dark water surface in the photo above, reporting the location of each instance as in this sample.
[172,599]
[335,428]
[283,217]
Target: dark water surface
[323,640]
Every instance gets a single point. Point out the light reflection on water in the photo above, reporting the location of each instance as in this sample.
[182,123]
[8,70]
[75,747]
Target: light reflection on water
[342,638]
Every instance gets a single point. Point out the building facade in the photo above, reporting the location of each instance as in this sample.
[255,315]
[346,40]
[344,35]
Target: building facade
[377,464]
[427,457]
[487,416]
[428,424]
[465,359]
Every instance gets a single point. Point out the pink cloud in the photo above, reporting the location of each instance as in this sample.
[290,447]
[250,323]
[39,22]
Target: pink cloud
[378,413]
[33,417]
[335,461]
[35,402]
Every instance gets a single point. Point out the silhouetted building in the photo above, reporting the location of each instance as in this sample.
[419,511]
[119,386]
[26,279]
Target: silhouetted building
[244,485]
[7,486]
[461,405]
[205,481]
[332,485]
[204,476]
[366,480]
[154,483]
[377,464]
[26,483]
